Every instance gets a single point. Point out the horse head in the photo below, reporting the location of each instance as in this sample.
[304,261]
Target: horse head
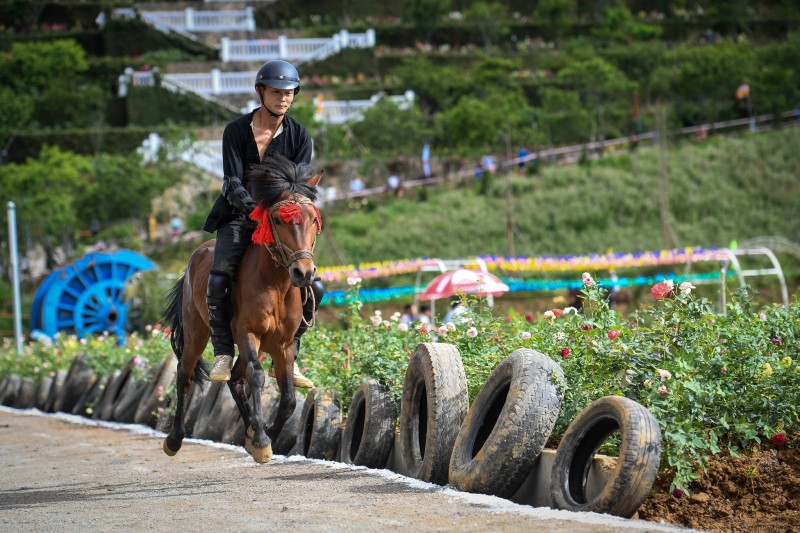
[288,220]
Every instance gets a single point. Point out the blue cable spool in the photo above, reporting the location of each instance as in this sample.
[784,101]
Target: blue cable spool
[85,297]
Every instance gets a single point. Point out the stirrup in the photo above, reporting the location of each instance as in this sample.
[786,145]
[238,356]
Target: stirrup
[222,368]
[298,378]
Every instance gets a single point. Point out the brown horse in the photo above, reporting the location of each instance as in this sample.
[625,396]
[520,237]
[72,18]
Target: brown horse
[271,282]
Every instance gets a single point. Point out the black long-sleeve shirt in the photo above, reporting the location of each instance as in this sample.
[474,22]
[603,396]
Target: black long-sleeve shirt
[240,153]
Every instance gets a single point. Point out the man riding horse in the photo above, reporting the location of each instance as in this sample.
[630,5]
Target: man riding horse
[247,141]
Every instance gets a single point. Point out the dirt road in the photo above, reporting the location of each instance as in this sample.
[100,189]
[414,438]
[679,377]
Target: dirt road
[65,473]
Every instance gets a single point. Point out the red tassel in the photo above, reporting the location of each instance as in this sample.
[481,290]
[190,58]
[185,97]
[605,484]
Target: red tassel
[263,232]
[319,219]
[291,213]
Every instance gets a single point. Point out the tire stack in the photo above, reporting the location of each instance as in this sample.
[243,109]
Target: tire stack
[490,447]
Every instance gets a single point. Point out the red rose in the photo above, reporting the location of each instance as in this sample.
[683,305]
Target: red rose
[677,493]
[613,334]
[587,327]
[565,353]
[778,439]
[558,312]
[529,317]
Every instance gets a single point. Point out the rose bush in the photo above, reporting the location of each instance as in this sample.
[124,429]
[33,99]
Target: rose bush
[713,381]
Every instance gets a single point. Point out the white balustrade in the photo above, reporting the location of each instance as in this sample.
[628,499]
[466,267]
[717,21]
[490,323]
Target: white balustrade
[202,21]
[294,50]
[339,112]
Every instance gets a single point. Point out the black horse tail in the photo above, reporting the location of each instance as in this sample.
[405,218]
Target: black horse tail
[173,318]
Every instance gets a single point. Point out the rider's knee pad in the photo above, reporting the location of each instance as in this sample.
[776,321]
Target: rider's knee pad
[219,285]
[319,291]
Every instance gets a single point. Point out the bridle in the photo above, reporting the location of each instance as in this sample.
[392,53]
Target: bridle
[282,254]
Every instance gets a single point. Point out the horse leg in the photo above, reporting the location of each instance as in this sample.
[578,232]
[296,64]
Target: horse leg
[192,351]
[237,387]
[174,440]
[284,374]
[260,445]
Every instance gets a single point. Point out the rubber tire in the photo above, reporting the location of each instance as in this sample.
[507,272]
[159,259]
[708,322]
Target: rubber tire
[508,425]
[213,416]
[80,377]
[320,425]
[287,438]
[434,404]
[128,399]
[163,377]
[637,465]
[90,397]
[42,392]
[368,435]
[196,400]
[25,396]
[10,391]
[111,388]
[55,390]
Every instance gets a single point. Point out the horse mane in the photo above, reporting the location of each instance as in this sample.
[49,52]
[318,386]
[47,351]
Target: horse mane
[274,176]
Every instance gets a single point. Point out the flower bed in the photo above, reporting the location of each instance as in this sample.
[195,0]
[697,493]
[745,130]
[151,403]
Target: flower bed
[714,382]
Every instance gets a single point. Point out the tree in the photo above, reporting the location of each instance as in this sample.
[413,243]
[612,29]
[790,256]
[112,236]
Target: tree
[45,191]
[425,15]
[491,123]
[619,26]
[563,117]
[604,90]
[34,66]
[709,75]
[120,188]
[558,15]
[388,128]
[490,18]
[437,86]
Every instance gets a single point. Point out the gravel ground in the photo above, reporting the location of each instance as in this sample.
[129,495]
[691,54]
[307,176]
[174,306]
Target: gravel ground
[66,473]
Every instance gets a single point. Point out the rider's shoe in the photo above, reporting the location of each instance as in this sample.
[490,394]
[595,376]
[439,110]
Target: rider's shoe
[299,379]
[222,368]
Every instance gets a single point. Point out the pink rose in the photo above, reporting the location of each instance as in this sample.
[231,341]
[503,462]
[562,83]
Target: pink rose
[613,334]
[660,290]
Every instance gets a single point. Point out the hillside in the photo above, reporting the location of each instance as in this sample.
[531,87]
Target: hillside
[723,189]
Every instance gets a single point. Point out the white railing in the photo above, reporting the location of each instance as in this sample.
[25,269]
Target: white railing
[341,111]
[191,20]
[295,50]
[206,155]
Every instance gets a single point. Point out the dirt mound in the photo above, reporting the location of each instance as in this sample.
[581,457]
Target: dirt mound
[759,491]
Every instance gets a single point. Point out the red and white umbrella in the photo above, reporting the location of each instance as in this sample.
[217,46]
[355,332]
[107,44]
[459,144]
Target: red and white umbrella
[463,281]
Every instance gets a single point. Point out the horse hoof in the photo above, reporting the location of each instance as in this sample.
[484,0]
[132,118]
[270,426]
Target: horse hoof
[262,455]
[168,450]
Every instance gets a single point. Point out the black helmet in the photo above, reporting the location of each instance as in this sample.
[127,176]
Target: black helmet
[278,74]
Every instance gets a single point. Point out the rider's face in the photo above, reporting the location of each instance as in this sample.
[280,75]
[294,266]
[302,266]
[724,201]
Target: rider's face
[277,100]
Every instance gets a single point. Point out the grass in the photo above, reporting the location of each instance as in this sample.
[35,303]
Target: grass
[724,189]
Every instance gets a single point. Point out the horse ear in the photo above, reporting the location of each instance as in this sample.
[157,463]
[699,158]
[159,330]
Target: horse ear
[313,180]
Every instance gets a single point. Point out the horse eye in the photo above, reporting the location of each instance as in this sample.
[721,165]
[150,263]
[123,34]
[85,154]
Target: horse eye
[277,221]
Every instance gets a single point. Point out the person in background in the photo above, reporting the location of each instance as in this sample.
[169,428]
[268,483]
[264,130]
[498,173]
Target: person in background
[247,141]
[425,314]
[409,314]
[457,311]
